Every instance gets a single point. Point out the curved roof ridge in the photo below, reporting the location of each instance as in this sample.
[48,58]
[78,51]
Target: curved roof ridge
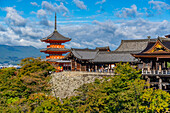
[133,45]
[56,36]
[85,49]
[119,45]
[77,54]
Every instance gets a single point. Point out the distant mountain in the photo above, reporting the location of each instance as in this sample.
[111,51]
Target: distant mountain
[13,54]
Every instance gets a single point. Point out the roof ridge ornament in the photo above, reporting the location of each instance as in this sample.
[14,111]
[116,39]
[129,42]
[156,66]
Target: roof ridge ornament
[159,38]
[55,29]
[149,38]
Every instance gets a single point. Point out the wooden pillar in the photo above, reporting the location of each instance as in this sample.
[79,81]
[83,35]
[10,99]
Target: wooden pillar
[72,65]
[160,67]
[160,83]
[156,66]
[149,68]
[165,87]
[143,65]
[108,68]
[88,67]
[75,65]
[80,66]
[96,68]
[85,67]
[166,64]
[153,64]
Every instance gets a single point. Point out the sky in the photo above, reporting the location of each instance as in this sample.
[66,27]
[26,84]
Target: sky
[89,23]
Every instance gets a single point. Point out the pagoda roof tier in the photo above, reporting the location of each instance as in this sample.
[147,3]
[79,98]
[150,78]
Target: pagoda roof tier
[55,50]
[55,37]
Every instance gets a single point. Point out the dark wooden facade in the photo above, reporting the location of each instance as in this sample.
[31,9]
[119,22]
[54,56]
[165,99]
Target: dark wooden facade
[155,58]
[77,66]
[150,55]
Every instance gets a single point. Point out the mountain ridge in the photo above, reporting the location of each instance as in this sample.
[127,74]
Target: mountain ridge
[13,54]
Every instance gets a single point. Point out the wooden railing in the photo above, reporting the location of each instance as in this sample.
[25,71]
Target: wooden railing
[55,46]
[156,72]
[54,57]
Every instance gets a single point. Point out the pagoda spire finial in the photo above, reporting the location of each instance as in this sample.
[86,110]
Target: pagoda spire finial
[55,23]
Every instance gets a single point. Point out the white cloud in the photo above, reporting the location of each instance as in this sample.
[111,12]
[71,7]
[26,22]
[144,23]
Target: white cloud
[34,4]
[96,34]
[13,18]
[61,8]
[41,13]
[128,12]
[110,33]
[55,7]
[64,1]
[100,2]
[74,44]
[80,4]
[148,12]
[2,28]
[25,36]
[159,5]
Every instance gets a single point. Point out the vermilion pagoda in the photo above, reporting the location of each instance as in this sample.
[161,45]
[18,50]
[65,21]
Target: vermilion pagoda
[55,49]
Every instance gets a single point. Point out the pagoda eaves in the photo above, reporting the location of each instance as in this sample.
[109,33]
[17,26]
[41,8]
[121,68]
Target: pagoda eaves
[55,37]
[55,49]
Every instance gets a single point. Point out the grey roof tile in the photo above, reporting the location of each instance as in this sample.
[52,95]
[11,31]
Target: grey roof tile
[132,45]
[114,57]
[84,54]
[56,36]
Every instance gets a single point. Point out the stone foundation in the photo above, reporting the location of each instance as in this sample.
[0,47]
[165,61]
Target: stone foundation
[65,83]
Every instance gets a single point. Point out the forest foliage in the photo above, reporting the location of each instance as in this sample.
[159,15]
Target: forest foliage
[28,90]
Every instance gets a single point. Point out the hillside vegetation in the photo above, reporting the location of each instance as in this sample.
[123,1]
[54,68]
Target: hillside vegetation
[28,90]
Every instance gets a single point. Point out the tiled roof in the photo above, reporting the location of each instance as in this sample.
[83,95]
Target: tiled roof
[56,36]
[112,57]
[164,41]
[133,45]
[84,53]
[121,54]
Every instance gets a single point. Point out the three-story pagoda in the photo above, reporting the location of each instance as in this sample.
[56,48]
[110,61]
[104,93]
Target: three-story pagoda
[55,49]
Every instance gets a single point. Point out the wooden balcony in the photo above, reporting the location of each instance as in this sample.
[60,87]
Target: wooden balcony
[155,72]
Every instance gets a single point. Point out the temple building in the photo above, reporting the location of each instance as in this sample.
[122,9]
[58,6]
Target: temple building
[102,58]
[152,56]
[149,55]
[154,59]
[82,59]
[55,49]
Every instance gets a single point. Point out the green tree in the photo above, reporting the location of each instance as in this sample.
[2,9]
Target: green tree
[34,75]
[17,85]
[155,101]
[26,90]
[122,93]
